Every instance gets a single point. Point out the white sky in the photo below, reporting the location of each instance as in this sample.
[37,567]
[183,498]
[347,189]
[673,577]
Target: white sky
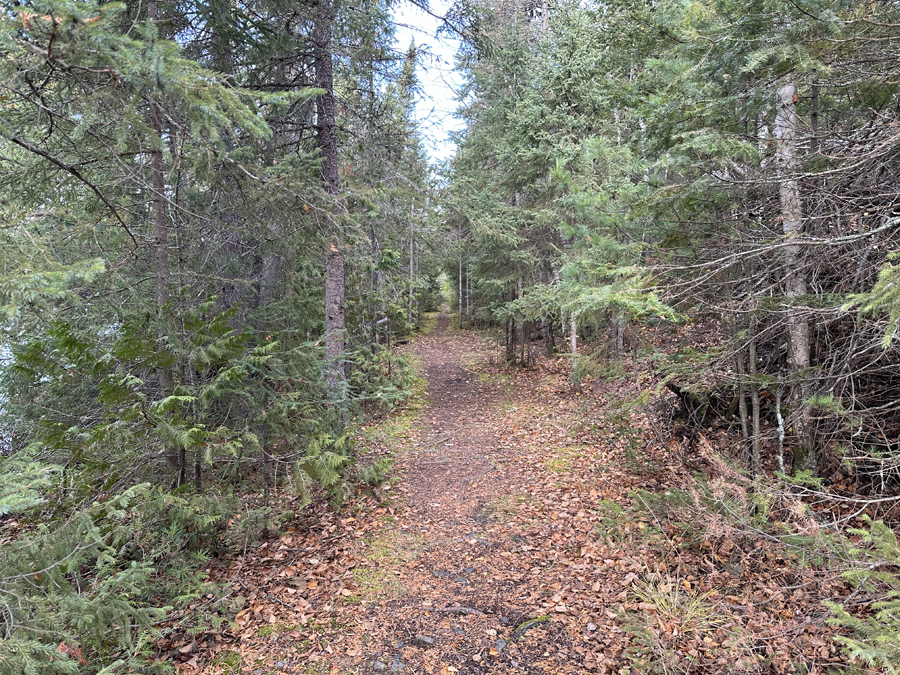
[437,104]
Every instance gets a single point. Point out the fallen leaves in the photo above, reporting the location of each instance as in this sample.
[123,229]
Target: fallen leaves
[548,535]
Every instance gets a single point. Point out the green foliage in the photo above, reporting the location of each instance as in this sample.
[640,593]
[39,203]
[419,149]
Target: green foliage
[883,297]
[376,473]
[379,377]
[876,638]
[324,462]
[70,585]
[23,485]
[104,568]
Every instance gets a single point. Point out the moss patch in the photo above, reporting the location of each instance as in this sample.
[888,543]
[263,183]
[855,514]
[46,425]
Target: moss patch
[562,458]
[392,550]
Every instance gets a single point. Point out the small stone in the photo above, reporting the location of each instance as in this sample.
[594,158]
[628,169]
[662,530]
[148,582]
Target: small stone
[401,644]
[500,645]
[281,664]
[397,666]
[591,627]
[461,580]
[458,630]
[504,620]
[469,570]
[425,641]
[379,666]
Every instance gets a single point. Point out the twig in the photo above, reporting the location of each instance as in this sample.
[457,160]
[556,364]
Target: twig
[459,610]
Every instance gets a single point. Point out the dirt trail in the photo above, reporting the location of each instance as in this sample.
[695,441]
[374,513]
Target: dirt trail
[481,588]
[481,555]
[457,443]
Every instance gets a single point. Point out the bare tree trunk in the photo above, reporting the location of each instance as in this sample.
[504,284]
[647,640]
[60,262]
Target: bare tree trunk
[547,326]
[160,226]
[468,294]
[755,458]
[617,335]
[326,132]
[740,371]
[520,325]
[460,289]
[573,348]
[412,252]
[795,275]
[267,478]
[573,336]
[742,408]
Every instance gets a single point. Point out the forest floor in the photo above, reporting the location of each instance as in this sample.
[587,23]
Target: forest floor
[518,534]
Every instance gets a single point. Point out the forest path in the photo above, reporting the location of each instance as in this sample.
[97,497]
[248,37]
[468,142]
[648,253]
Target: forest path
[513,537]
[496,530]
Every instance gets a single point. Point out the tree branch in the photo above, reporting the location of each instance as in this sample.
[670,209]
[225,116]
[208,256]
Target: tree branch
[72,170]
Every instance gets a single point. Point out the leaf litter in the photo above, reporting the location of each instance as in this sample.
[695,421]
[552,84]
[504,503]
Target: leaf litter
[516,537]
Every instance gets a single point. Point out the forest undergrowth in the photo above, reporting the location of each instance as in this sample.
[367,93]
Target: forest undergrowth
[526,528]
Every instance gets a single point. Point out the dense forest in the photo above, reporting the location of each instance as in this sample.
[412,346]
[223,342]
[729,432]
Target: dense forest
[219,220]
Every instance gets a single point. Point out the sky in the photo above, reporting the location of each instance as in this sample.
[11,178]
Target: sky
[436,105]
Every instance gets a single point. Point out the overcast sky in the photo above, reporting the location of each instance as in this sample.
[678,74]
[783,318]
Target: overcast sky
[437,104]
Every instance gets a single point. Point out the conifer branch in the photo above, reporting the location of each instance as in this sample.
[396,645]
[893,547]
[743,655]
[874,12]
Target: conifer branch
[72,170]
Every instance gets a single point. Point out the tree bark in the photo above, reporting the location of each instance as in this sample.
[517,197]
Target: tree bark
[755,457]
[158,186]
[326,133]
[460,312]
[412,271]
[573,348]
[795,276]
[520,327]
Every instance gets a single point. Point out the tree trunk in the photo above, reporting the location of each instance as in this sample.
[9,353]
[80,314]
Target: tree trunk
[617,335]
[573,348]
[742,408]
[468,295]
[755,457]
[174,456]
[520,326]
[412,252]
[326,133]
[160,226]
[267,478]
[795,275]
[460,322]
[547,326]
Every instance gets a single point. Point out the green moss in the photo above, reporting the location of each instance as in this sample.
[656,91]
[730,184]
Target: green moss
[227,663]
[275,628]
[563,457]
